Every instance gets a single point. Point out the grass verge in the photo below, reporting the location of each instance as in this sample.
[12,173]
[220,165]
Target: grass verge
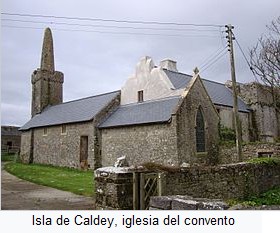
[271,197]
[67,179]
[5,157]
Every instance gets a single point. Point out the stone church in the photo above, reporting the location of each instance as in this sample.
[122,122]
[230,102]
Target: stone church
[160,115]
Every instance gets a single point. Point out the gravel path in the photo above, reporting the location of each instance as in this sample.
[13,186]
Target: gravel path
[17,194]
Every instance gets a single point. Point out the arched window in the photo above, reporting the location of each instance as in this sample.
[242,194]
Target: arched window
[200,131]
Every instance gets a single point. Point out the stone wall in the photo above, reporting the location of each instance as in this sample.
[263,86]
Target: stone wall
[223,182]
[26,150]
[114,186]
[197,97]
[227,120]
[260,99]
[142,143]
[63,149]
[179,202]
[228,153]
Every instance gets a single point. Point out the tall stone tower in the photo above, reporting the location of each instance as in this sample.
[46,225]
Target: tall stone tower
[47,84]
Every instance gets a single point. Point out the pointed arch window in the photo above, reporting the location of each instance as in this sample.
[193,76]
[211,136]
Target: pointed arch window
[200,131]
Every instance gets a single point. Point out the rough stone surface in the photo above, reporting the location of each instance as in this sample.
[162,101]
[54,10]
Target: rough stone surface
[114,186]
[178,202]
[196,97]
[172,143]
[223,182]
[266,122]
[65,148]
[228,154]
[144,143]
[47,84]
[227,120]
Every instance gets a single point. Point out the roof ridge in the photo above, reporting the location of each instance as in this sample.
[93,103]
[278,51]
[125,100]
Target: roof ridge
[177,72]
[150,101]
[191,76]
[213,82]
[88,97]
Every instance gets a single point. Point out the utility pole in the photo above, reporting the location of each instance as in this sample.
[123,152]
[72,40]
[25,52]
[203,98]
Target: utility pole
[235,103]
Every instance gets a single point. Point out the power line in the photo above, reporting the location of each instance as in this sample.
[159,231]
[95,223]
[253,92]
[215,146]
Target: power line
[110,26]
[212,56]
[112,32]
[247,61]
[111,20]
[214,61]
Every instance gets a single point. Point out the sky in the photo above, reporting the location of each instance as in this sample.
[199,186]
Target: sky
[99,56]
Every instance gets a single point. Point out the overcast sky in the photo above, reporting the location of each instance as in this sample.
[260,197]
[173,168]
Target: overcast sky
[95,62]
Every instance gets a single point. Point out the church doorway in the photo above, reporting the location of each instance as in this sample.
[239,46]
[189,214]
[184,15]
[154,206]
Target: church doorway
[84,152]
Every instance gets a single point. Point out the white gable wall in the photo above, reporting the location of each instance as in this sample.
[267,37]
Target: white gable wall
[152,80]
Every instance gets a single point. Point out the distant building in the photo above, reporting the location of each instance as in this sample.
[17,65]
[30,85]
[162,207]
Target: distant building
[10,139]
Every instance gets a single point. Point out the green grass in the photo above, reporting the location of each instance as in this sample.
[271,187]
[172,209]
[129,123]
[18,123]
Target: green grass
[271,197]
[264,160]
[5,157]
[72,180]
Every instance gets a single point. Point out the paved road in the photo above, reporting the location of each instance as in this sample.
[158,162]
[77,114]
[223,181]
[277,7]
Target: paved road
[17,194]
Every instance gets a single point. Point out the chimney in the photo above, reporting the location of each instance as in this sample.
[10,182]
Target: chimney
[169,65]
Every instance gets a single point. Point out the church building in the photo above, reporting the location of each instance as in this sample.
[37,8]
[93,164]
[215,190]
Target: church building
[160,115]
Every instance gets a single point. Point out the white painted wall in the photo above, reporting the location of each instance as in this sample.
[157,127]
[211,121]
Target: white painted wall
[152,80]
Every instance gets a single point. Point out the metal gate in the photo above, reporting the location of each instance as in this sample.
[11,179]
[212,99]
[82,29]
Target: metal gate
[145,185]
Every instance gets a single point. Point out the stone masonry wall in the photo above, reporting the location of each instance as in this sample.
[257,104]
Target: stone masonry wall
[227,120]
[25,147]
[186,126]
[142,143]
[114,186]
[260,99]
[228,154]
[63,149]
[223,182]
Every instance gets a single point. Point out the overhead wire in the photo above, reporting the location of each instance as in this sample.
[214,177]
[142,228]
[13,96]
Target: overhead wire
[110,26]
[113,32]
[111,20]
[212,56]
[214,61]
[244,56]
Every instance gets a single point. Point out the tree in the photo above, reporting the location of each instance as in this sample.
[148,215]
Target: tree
[265,63]
[265,56]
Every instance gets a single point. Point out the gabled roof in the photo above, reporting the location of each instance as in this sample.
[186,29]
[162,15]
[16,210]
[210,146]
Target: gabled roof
[69,112]
[155,111]
[218,92]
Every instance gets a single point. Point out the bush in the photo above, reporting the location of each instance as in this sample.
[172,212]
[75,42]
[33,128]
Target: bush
[227,134]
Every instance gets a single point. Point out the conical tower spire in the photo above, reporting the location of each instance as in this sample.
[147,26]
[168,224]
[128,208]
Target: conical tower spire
[47,83]
[47,58]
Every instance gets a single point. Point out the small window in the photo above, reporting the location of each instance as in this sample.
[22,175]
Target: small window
[63,129]
[140,96]
[45,132]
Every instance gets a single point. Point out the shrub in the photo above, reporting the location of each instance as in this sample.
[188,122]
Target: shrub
[227,134]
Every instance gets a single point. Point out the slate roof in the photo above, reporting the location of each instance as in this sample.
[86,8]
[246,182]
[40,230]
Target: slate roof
[69,112]
[218,92]
[156,111]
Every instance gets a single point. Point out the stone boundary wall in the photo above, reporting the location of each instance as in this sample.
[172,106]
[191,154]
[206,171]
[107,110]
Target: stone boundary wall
[228,153]
[179,202]
[223,182]
[114,186]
